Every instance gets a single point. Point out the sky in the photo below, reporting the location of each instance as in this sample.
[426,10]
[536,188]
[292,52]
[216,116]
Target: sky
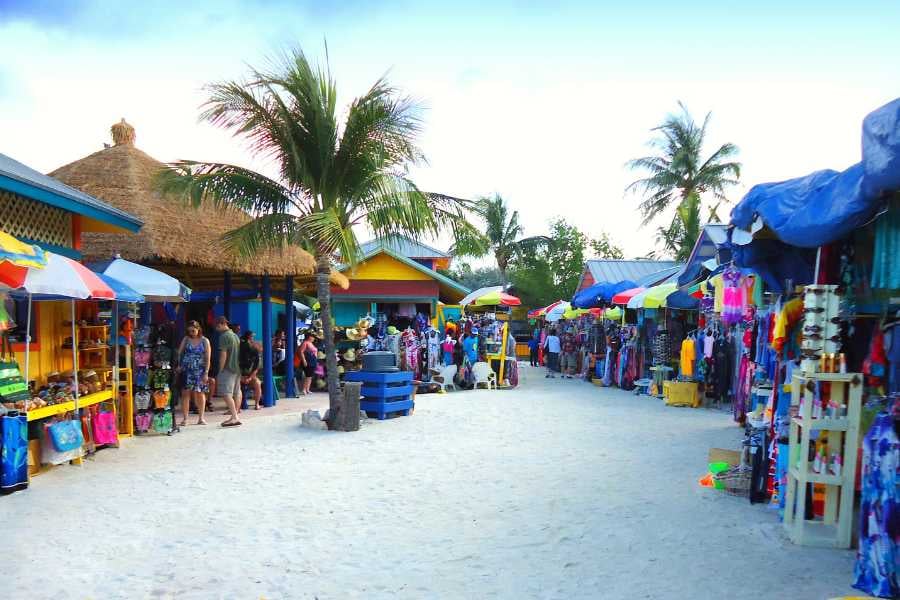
[541,102]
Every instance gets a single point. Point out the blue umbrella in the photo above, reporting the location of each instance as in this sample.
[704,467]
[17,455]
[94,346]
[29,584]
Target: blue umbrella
[124,293]
[154,285]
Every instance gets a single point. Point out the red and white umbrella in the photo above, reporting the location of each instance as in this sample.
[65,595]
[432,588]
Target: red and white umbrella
[65,278]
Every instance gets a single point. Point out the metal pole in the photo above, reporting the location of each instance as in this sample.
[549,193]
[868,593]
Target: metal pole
[268,383]
[75,357]
[28,344]
[115,340]
[818,261]
[291,341]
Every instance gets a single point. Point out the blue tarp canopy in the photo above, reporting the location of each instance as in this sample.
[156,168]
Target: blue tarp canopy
[827,205]
[713,239]
[599,293]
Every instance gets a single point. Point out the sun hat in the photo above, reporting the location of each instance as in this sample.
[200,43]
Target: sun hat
[350,355]
[392,330]
[320,355]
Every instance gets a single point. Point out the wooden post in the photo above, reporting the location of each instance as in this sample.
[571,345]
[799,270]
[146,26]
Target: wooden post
[346,417]
[268,382]
[291,337]
[226,295]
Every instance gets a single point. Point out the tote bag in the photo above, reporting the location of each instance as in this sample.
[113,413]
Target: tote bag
[13,453]
[52,456]
[162,422]
[66,435]
[104,428]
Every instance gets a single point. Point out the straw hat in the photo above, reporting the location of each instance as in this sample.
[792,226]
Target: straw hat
[355,335]
[350,355]
[320,355]
[341,369]
[392,330]
[320,383]
[364,323]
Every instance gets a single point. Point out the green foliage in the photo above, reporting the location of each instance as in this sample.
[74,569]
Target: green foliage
[603,247]
[678,175]
[475,278]
[552,271]
[501,237]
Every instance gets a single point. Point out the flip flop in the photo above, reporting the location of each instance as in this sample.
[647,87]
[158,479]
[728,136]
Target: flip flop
[231,424]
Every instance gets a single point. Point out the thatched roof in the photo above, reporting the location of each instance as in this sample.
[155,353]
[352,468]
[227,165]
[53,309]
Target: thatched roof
[174,235]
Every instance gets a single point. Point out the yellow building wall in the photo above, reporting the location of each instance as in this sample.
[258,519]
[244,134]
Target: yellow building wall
[50,356]
[382,266]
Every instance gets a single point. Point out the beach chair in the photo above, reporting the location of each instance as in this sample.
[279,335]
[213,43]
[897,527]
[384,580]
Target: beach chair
[484,375]
[445,378]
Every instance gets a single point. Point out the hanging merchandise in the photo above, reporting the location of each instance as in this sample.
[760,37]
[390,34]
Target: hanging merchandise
[885,266]
[879,524]
[733,300]
[13,452]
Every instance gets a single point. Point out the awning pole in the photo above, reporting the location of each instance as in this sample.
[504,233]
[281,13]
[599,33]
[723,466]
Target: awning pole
[28,347]
[818,260]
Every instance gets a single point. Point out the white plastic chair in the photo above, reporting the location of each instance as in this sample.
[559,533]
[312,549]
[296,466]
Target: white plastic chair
[484,375]
[445,377]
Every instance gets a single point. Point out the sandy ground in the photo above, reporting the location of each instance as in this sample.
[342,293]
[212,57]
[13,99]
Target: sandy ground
[558,489]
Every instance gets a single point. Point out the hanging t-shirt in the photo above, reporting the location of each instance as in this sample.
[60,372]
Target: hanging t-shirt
[688,354]
[708,342]
[470,347]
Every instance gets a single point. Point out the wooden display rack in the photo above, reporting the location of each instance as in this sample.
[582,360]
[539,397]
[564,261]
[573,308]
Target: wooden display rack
[834,530]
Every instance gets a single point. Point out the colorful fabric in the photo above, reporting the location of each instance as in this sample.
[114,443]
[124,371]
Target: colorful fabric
[878,556]
[885,266]
[193,365]
[13,453]
[790,313]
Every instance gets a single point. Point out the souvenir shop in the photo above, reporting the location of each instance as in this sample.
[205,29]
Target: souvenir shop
[421,347]
[799,333]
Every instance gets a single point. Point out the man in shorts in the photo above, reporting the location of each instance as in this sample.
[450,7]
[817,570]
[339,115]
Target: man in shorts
[228,380]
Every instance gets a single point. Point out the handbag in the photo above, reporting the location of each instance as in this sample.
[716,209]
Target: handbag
[162,422]
[13,452]
[66,435]
[104,424]
[51,456]
[13,387]
[142,400]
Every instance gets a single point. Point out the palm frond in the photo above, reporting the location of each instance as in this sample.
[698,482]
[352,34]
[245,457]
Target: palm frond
[225,186]
[265,232]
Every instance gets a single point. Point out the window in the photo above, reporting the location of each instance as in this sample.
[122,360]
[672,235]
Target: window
[17,309]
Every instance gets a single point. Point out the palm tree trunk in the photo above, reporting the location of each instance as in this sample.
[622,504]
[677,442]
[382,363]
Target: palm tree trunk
[323,293]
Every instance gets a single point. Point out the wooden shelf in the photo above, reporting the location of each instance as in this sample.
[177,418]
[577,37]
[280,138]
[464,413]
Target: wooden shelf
[812,477]
[94,348]
[92,326]
[50,411]
[841,424]
[59,409]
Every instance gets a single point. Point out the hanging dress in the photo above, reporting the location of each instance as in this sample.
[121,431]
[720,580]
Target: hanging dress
[879,530]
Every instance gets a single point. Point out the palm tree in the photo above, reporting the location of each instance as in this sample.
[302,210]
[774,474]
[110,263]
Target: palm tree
[678,175]
[501,236]
[332,176]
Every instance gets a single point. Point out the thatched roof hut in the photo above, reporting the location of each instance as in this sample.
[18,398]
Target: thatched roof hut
[176,238]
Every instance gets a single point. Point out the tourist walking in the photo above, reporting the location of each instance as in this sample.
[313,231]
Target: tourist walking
[193,360]
[229,379]
[533,344]
[553,348]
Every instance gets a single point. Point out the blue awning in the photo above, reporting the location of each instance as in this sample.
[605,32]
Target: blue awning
[599,293]
[124,293]
[827,205]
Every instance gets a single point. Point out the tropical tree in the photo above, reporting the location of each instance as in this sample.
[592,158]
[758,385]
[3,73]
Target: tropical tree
[603,247]
[501,237]
[678,174]
[333,175]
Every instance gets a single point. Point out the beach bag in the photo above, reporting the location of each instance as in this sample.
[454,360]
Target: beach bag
[66,435]
[161,399]
[142,422]
[104,428]
[162,422]
[52,456]
[13,387]
[142,400]
[13,453]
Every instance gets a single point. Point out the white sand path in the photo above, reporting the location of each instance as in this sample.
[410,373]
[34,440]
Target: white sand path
[558,489]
